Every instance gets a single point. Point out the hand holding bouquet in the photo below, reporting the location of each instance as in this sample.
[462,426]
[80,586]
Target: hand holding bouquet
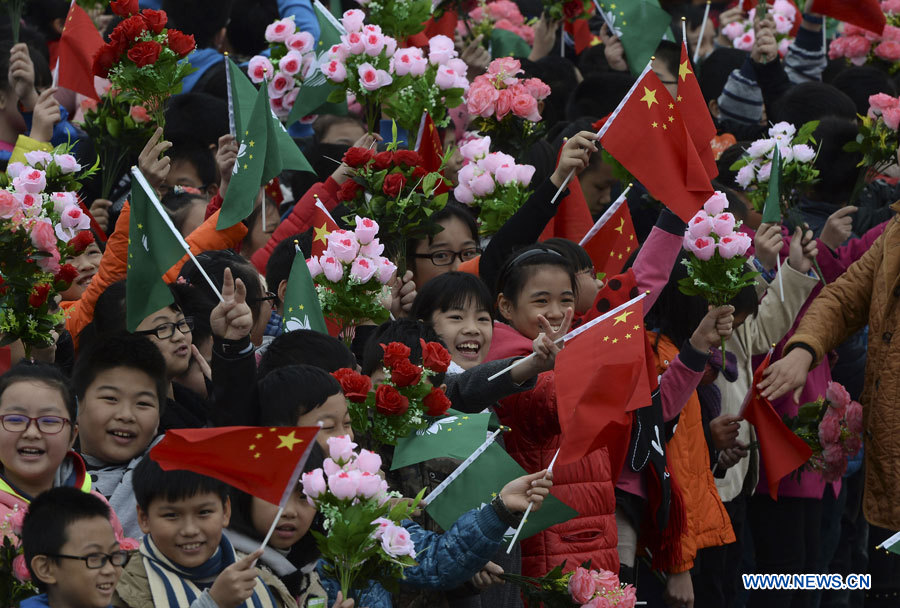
[743,36]
[583,587]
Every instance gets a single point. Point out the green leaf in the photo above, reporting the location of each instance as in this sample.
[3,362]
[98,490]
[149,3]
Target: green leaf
[113,127]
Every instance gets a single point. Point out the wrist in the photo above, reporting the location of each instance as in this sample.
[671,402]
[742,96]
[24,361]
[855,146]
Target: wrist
[503,512]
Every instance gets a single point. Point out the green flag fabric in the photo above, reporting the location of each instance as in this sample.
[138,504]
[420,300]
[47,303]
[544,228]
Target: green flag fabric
[301,303]
[507,44]
[456,435]
[640,25]
[892,544]
[772,209]
[247,176]
[316,88]
[481,482]
[154,246]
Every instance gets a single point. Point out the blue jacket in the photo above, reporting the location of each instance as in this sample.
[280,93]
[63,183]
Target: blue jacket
[446,560]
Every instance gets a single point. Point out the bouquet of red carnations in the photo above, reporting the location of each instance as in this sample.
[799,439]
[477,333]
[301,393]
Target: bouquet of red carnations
[143,58]
[405,401]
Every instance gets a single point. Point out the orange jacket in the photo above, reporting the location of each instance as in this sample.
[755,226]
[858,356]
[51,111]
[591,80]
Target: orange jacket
[708,524]
[113,265]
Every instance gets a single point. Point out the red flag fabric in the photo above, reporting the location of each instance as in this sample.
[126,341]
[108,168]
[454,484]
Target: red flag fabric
[262,461]
[445,25]
[648,136]
[573,218]
[866,14]
[581,33]
[695,112]
[431,149]
[601,376]
[78,43]
[322,225]
[780,450]
[612,239]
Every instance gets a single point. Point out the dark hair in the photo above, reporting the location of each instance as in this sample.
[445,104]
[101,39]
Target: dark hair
[196,117]
[200,156]
[246,28]
[5,47]
[728,157]
[560,75]
[304,346]
[407,331]
[592,60]
[195,17]
[598,94]
[861,82]
[736,206]
[289,392]
[449,291]
[324,122]
[812,101]
[42,13]
[215,263]
[572,251]
[179,205]
[120,350]
[151,482]
[521,266]
[44,373]
[278,268]
[45,528]
[838,170]
[305,550]
[717,68]
[670,54]
[450,211]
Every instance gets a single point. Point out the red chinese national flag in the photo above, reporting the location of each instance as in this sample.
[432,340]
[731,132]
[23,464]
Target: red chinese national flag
[262,461]
[601,376]
[866,14]
[612,239]
[648,136]
[780,450]
[322,225]
[573,218]
[695,112]
[78,43]
[430,148]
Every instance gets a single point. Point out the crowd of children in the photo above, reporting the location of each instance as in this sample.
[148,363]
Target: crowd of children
[105,525]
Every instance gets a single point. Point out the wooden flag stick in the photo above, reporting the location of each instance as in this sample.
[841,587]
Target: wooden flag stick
[271,528]
[702,31]
[780,278]
[528,510]
[562,39]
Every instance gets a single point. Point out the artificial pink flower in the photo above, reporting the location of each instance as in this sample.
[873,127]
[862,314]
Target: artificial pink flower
[354,42]
[525,106]
[702,247]
[344,485]
[260,69]
[440,49]
[700,225]
[581,586]
[368,462]
[362,269]
[366,229]
[854,416]
[280,30]
[353,20]
[313,483]
[335,70]
[331,268]
[291,63]
[30,182]
[716,204]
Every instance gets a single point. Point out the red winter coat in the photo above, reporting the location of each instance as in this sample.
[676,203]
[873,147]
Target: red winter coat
[586,486]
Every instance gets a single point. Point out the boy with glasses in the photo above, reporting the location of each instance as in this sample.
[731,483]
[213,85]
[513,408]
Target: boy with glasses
[71,550]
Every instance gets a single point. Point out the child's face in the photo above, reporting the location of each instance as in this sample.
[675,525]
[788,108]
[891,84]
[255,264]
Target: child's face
[30,457]
[73,583]
[293,525]
[588,288]
[176,349]
[455,237]
[119,415]
[87,264]
[547,292]
[332,415]
[467,333]
[187,531]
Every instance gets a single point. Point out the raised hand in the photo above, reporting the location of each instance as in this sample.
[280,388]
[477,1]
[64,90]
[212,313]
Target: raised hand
[231,319]
[226,155]
[235,584]
[100,212]
[787,374]
[46,114]
[343,172]
[403,293]
[575,155]
[803,250]
[154,166]
[767,244]
[21,76]
[475,56]
[525,490]
[613,51]
[713,328]
[724,431]
[544,37]
[838,227]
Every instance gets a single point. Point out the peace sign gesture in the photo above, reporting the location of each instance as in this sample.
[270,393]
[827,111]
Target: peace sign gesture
[231,319]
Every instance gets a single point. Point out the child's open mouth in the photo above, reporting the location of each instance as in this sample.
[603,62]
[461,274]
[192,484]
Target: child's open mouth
[469,350]
[286,530]
[122,437]
[190,547]
[31,453]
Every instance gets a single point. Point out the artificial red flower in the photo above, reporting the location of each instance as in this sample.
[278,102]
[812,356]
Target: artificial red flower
[389,401]
[355,386]
[104,59]
[406,373]
[66,273]
[393,184]
[156,20]
[81,241]
[436,403]
[418,173]
[3,286]
[394,353]
[39,295]
[349,190]
[127,32]
[123,8]
[434,356]
[383,160]
[145,53]
[357,157]
[408,158]
[181,43]
[573,9]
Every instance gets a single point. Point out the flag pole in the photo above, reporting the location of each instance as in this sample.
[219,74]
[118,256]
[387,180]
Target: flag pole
[610,211]
[702,31]
[136,173]
[462,467]
[272,528]
[575,332]
[528,510]
[780,278]
[231,126]
[684,34]
[421,132]
[562,39]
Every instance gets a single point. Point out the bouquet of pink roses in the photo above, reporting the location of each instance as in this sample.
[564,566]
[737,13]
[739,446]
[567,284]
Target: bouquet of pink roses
[877,140]
[583,587]
[292,57]
[488,16]
[15,580]
[492,183]
[859,46]
[506,107]
[832,426]
[41,224]
[716,266]
[350,276]
[365,541]
[742,35]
